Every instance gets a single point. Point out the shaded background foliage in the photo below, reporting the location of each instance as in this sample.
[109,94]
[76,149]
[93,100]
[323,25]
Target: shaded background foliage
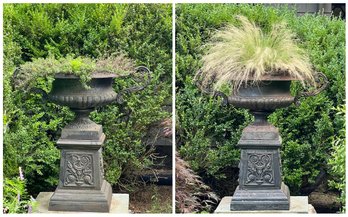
[209,132]
[32,124]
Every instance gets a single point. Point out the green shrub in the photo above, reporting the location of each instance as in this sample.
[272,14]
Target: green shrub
[311,125]
[306,130]
[32,124]
[143,31]
[16,198]
[124,150]
[337,160]
[208,131]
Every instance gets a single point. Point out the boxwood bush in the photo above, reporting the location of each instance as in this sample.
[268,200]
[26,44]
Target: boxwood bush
[32,124]
[208,132]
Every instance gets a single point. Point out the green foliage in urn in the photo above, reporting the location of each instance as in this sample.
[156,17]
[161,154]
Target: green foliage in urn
[306,130]
[78,34]
[82,67]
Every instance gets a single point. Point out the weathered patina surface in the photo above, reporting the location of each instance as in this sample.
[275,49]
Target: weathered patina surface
[82,186]
[81,181]
[260,183]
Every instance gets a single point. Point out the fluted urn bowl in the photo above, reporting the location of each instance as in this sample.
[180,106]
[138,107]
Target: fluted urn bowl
[267,95]
[67,90]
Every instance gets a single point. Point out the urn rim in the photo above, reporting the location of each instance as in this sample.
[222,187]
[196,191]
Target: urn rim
[272,78]
[97,74]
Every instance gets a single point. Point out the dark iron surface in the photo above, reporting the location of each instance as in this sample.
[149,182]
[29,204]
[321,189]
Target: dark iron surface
[82,186]
[260,179]
[69,91]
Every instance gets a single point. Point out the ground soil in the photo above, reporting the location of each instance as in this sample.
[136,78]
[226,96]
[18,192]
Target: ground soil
[151,199]
[325,202]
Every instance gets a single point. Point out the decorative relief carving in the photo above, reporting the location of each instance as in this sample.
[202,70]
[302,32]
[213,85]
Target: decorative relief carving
[260,169]
[79,170]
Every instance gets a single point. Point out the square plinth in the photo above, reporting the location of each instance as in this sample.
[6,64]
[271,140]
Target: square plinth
[119,203]
[261,198]
[298,204]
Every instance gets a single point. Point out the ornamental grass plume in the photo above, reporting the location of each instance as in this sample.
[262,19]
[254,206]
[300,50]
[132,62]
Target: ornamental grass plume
[245,54]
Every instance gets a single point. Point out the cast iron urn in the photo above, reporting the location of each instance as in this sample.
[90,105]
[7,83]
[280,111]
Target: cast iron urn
[82,186]
[260,183]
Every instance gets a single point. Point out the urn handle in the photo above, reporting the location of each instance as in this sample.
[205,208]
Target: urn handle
[214,93]
[321,80]
[143,71]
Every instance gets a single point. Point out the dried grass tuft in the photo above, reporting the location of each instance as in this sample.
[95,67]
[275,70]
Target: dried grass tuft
[243,54]
[117,63]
